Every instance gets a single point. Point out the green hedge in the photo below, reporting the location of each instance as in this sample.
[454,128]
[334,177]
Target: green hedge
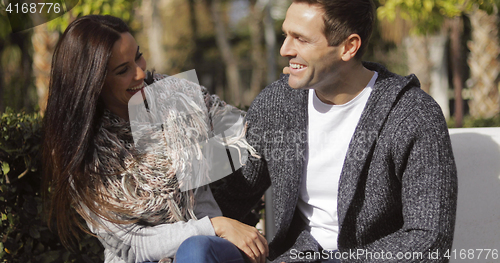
[24,235]
[469,122]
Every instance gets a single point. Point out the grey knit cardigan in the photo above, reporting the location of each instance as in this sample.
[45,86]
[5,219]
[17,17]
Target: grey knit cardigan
[398,187]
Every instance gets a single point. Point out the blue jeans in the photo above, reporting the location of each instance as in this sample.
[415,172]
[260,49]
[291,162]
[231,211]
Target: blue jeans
[208,249]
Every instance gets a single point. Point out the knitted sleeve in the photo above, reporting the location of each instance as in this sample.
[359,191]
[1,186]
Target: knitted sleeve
[239,192]
[423,158]
[138,243]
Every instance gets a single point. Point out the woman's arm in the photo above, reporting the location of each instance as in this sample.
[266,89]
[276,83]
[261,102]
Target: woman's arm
[139,243]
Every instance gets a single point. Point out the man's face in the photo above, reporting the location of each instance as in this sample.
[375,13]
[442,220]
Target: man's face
[311,58]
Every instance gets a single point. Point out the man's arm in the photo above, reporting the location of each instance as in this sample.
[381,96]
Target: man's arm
[237,193]
[423,159]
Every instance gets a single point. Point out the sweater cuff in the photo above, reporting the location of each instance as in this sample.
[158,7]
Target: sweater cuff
[206,227]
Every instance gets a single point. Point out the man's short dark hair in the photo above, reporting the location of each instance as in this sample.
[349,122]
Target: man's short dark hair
[345,17]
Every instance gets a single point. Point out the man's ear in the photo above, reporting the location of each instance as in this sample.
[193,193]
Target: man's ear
[351,46]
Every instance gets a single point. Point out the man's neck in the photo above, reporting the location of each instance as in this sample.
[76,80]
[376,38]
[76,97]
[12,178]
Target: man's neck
[346,85]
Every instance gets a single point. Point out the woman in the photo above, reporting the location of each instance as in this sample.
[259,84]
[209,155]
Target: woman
[92,168]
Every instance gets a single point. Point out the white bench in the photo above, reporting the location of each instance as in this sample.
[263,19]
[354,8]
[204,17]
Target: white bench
[477,155]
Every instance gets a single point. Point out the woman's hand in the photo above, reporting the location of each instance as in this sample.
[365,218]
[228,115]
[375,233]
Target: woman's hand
[246,238]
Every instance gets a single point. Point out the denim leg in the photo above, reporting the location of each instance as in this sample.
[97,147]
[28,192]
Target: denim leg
[208,249]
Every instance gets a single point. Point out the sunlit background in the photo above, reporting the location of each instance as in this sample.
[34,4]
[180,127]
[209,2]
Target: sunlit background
[452,46]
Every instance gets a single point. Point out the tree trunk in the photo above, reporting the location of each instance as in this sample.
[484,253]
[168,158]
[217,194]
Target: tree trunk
[44,43]
[197,55]
[270,38]
[24,101]
[233,91]
[258,60]
[439,72]
[154,27]
[2,81]
[484,64]
[457,58]
[427,59]
[418,60]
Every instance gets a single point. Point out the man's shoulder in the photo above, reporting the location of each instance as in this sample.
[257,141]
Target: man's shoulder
[279,85]
[402,94]
[278,102]
[391,86]
[278,93]
[389,80]
[416,108]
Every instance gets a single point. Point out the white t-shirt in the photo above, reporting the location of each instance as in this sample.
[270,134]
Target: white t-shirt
[330,130]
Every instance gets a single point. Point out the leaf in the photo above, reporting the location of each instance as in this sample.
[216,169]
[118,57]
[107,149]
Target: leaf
[5,168]
[50,256]
[34,233]
[39,248]
[2,252]
[30,205]
[87,259]
[11,219]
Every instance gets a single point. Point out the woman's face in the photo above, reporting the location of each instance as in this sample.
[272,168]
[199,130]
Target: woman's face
[125,75]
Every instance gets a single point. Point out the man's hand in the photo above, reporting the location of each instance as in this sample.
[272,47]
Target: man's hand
[246,238]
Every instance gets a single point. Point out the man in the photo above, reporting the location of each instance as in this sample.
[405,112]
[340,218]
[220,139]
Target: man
[359,158]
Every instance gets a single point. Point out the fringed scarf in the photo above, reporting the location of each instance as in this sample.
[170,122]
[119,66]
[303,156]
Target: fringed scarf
[142,164]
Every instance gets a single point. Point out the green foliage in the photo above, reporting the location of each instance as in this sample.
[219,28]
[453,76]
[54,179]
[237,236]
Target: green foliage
[428,15]
[486,5]
[24,235]
[470,122]
[20,141]
[119,8]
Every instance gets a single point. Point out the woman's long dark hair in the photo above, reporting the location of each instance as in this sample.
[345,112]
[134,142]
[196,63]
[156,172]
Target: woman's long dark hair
[72,117]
